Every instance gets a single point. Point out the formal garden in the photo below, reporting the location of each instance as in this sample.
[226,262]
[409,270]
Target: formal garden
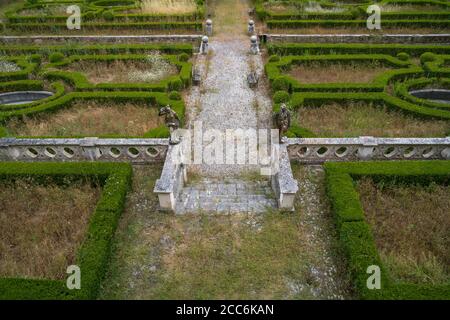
[94,178]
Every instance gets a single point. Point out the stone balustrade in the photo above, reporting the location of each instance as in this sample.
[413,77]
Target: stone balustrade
[319,150]
[86,149]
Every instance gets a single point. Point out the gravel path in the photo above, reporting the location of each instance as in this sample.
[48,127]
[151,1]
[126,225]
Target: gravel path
[224,100]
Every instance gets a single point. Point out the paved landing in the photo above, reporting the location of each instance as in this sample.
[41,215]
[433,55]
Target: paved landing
[226,197]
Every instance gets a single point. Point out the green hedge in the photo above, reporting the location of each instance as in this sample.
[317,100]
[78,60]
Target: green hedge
[93,255]
[354,48]
[355,235]
[69,49]
[274,71]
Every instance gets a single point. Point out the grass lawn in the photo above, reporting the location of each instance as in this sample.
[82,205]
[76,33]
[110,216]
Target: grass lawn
[89,118]
[159,255]
[361,119]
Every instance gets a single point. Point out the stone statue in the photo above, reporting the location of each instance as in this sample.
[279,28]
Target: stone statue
[283,120]
[171,120]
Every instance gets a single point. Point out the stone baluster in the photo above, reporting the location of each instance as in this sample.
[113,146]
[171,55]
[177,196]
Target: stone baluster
[254,48]
[209,27]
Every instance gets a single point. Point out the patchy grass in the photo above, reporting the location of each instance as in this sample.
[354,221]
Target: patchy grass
[229,17]
[125,71]
[90,118]
[409,8]
[42,226]
[411,226]
[342,73]
[167,6]
[164,256]
[359,119]
[50,10]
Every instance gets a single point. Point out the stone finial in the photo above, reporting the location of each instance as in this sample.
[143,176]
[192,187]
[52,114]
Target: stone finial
[209,27]
[251,26]
[204,45]
[254,45]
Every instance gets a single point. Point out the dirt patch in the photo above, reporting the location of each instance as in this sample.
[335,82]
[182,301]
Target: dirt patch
[342,73]
[41,227]
[361,119]
[411,226]
[132,71]
[240,256]
[90,119]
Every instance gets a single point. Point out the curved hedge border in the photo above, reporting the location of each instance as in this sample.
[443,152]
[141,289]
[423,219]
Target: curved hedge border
[104,14]
[354,15]
[274,71]
[402,91]
[26,69]
[119,48]
[80,82]
[57,87]
[355,234]
[94,253]
[283,49]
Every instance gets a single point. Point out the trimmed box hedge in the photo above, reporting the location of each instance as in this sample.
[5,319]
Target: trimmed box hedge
[93,255]
[355,235]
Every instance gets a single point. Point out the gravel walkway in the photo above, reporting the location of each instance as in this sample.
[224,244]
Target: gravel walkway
[224,99]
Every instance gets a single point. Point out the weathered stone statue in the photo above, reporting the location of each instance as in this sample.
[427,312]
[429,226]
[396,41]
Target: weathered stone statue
[171,120]
[283,120]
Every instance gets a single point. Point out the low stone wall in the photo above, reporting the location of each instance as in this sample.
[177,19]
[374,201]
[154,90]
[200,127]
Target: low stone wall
[87,149]
[283,183]
[101,39]
[319,150]
[357,38]
[173,178]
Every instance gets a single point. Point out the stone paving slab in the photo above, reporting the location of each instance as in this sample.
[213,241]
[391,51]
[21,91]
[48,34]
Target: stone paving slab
[235,196]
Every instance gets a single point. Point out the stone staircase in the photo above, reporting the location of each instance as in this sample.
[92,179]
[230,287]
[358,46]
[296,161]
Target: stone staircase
[214,195]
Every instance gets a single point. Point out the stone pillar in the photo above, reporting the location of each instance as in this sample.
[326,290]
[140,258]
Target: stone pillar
[254,49]
[365,152]
[209,27]
[204,45]
[251,26]
[90,149]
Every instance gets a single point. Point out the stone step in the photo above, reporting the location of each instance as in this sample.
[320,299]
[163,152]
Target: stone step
[231,196]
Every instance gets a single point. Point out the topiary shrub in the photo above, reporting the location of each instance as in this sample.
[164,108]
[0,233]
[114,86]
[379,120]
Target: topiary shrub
[274,58]
[427,57]
[36,58]
[108,15]
[403,56]
[176,84]
[280,84]
[281,96]
[174,95]
[56,57]
[183,57]
[32,1]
